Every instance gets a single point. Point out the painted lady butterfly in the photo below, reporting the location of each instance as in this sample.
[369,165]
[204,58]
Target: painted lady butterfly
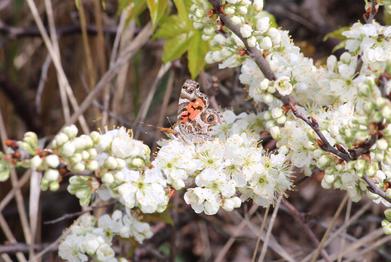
[195,119]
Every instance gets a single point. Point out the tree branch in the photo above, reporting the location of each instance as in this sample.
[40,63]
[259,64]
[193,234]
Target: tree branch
[290,103]
[300,219]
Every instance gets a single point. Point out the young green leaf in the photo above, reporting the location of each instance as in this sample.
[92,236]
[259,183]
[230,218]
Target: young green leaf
[196,54]
[157,9]
[175,47]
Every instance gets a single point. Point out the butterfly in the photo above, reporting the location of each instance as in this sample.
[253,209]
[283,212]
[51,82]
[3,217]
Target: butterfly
[195,120]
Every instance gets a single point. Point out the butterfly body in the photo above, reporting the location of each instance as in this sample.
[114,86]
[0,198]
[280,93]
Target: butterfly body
[195,119]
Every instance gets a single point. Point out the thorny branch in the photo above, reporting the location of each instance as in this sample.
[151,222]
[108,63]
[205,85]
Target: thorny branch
[290,103]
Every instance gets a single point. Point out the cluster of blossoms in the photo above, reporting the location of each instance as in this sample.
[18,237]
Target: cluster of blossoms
[223,172]
[347,98]
[89,238]
[347,101]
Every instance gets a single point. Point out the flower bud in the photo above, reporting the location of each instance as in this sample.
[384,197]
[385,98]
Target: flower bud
[70,131]
[68,149]
[52,161]
[61,139]
[79,167]
[54,186]
[246,30]
[92,165]
[137,162]
[36,162]
[111,163]
[52,174]
[266,43]
[108,178]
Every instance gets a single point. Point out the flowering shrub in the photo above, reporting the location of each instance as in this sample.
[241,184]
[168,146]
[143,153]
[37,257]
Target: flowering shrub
[335,118]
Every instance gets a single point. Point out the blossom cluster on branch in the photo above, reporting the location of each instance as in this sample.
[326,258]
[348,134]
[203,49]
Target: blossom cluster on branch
[334,118]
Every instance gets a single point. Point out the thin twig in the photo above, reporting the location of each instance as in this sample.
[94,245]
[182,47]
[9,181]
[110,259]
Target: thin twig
[269,229]
[18,193]
[300,219]
[10,237]
[347,216]
[148,100]
[288,101]
[75,214]
[54,40]
[138,42]
[220,256]
[57,62]
[331,226]
[264,222]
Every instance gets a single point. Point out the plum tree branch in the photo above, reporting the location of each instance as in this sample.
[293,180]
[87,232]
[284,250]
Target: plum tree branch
[289,102]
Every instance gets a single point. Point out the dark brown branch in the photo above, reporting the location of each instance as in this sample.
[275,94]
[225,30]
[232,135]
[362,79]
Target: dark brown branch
[18,32]
[289,102]
[301,220]
[76,214]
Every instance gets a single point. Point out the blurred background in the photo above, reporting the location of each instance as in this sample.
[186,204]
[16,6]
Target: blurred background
[143,96]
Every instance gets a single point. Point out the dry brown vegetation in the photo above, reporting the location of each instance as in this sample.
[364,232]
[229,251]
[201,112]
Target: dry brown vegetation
[98,70]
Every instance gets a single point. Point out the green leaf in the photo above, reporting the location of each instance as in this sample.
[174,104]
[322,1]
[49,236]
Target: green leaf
[337,34]
[157,9]
[172,26]
[183,7]
[175,47]
[387,12]
[196,54]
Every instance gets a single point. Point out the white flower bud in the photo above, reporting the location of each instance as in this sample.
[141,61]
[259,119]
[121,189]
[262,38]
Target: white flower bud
[52,161]
[92,165]
[275,132]
[323,161]
[95,136]
[246,30]
[263,24]
[60,139]
[252,41]
[36,162]
[266,43]
[281,120]
[386,112]
[258,4]
[68,149]
[111,163]
[268,98]
[243,10]
[275,35]
[264,84]
[52,174]
[137,162]
[360,165]
[76,158]
[79,167]
[277,112]
[382,144]
[121,163]
[329,179]
[229,10]
[85,155]
[54,186]
[70,131]
[271,89]
[93,153]
[108,178]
